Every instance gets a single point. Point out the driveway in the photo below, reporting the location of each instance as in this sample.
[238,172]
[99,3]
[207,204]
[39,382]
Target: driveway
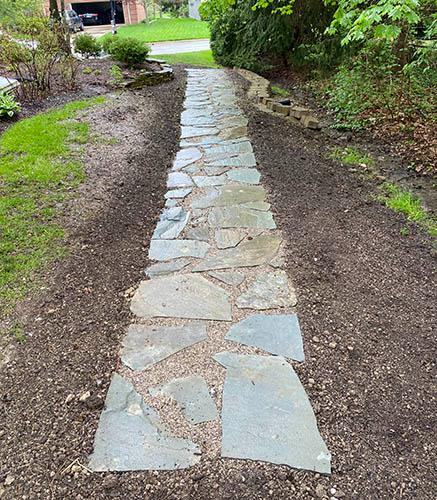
[179,46]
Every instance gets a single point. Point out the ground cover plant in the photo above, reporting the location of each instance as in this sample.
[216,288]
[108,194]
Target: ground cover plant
[38,167]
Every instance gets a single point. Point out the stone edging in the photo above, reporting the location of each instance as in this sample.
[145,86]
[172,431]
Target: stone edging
[146,78]
[260,91]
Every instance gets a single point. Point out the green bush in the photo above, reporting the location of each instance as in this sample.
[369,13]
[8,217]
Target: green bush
[106,41]
[87,45]
[8,105]
[129,51]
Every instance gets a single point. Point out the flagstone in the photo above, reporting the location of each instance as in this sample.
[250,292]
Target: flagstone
[257,205]
[187,132]
[243,160]
[269,291]
[276,333]
[230,195]
[229,149]
[181,296]
[244,175]
[171,226]
[255,252]
[186,156]
[131,437]
[266,414]
[173,249]
[228,238]
[200,233]
[238,216]
[215,170]
[206,181]
[178,193]
[178,179]
[192,395]
[143,346]
[233,278]
[169,267]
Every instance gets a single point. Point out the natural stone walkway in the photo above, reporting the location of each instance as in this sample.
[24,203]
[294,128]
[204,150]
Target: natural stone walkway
[207,365]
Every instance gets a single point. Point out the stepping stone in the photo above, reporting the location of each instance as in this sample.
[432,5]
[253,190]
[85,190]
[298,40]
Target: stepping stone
[228,238]
[171,226]
[266,414]
[207,181]
[268,291]
[234,133]
[188,132]
[244,175]
[195,113]
[229,150]
[277,333]
[255,252]
[215,170]
[130,436]
[181,296]
[277,261]
[143,346]
[233,278]
[164,268]
[179,179]
[195,121]
[171,203]
[200,233]
[233,121]
[240,217]
[178,193]
[243,160]
[186,157]
[192,395]
[173,249]
[257,205]
[201,141]
[230,195]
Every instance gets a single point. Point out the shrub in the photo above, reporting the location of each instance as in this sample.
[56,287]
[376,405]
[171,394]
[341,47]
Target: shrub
[129,51]
[87,45]
[106,41]
[8,105]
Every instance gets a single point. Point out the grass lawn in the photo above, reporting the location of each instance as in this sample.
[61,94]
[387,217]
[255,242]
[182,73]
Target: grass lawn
[202,58]
[163,30]
[37,170]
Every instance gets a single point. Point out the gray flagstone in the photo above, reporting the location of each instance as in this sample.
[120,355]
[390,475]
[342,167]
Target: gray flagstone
[169,267]
[173,249]
[238,216]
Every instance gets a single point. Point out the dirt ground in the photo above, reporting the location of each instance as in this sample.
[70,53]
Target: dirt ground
[367,300]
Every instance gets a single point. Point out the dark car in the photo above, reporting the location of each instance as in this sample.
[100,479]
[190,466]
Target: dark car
[74,22]
[89,18]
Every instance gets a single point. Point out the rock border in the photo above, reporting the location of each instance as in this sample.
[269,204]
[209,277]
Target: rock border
[260,91]
[146,78]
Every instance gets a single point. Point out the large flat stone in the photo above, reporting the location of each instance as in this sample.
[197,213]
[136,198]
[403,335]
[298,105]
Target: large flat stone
[171,226]
[228,238]
[188,132]
[246,160]
[230,195]
[186,157]
[179,179]
[200,233]
[233,278]
[244,175]
[144,345]
[181,296]
[131,437]
[276,333]
[218,152]
[270,290]
[178,193]
[192,395]
[238,216]
[266,414]
[257,251]
[173,249]
[164,268]
[209,180]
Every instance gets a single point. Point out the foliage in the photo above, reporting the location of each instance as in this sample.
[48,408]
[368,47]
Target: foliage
[39,59]
[12,12]
[175,8]
[87,45]
[351,156]
[8,105]
[116,75]
[279,91]
[202,58]
[129,51]
[37,170]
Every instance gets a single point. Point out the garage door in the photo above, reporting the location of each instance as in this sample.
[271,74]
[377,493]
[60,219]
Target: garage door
[103,11]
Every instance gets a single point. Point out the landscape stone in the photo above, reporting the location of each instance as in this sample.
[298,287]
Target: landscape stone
[228,238]
[181,296]
[170,226]
[144,345]
[269,291]
[266,414]
[238,216]
[192,395]
[130,436]
[243,160]
[276,333]
[200,233]
[179,179]
[257,205]
[230,195]
[173,249]
[255,252]
[215,170]
[185,157]
[244,175]
[233,278]
[228,150]
[212,180]
[164,268]
[178,193]
[187,132]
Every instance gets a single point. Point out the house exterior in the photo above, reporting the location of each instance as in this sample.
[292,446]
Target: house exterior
[127,11]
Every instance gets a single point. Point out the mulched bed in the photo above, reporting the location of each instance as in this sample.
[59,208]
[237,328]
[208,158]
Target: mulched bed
[361,286]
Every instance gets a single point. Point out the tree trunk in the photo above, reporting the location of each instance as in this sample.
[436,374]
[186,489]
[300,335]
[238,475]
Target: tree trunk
[54,10]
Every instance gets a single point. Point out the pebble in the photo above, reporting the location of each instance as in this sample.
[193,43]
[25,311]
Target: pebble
[316,339]
[332,345]
[9,480]
[85,396]
[320,491]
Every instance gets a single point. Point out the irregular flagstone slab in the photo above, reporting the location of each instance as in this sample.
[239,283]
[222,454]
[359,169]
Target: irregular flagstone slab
[186,157]
[171,203]
[207,181]
[255,252]
[240,217]
[230,195]
[228,149]
[195,113]
[192,395]
[276,333]
[215,170]
[173,249]
[277,261]
[164,268]
[201,141]
[233,278]
[187,132]
[244,175]
[179,179]
[234,133]
[258,205]
[131,437]
[181,296]
[143,346]
[243,160]
[200,233]
[198,120]
[170,227]
[178,193]
[228,238]
[268,291]
[266,414]
[191,169]
[233,121]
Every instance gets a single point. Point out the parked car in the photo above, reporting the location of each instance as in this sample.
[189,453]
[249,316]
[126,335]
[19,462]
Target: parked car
[74,22]
[89,18]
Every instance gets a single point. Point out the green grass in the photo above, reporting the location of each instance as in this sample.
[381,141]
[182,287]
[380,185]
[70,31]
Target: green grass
[163,30]
[406,203]
[351,156]
[37,170]
[280,91]
[202,58]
